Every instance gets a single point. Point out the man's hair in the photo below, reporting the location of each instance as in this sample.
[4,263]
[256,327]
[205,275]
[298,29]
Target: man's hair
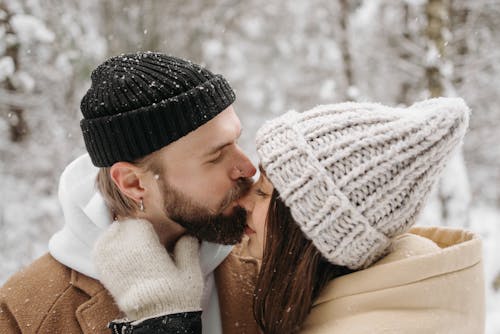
[118,203]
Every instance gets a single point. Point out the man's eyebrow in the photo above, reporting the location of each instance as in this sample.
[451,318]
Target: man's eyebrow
[219,147]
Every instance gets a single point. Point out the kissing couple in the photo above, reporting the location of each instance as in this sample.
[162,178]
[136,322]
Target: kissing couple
[166,231]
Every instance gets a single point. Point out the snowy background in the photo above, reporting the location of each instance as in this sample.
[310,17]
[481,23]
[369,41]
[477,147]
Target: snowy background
[278,55]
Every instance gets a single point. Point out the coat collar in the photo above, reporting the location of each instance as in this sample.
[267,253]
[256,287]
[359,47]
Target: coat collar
[94,315]
[422,253]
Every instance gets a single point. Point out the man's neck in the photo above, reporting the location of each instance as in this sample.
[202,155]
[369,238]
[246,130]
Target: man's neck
[168,232]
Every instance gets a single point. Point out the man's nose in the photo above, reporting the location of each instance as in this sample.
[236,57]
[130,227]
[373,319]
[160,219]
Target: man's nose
[248,169]
[243,168]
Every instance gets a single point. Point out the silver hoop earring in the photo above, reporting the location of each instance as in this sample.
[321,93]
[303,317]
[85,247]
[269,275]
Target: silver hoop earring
[141,205]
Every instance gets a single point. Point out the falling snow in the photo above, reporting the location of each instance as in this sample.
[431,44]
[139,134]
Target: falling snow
[278,55]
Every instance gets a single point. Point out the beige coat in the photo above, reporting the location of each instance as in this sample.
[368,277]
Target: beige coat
[431,282]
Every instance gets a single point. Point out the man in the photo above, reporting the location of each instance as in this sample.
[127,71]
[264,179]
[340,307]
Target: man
[164,134]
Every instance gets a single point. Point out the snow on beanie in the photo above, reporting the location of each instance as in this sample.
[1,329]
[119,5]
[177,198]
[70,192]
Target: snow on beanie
[354,175]
[139,103]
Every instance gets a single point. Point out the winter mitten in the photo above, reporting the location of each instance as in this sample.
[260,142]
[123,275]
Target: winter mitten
[141,275]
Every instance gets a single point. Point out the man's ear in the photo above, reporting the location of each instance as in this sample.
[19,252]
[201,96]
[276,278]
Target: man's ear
[127,178]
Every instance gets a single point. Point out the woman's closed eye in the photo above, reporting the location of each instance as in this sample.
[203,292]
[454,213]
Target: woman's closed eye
[261,193]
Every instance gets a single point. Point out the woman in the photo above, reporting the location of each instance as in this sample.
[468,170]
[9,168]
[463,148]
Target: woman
[339,187]
[337,184]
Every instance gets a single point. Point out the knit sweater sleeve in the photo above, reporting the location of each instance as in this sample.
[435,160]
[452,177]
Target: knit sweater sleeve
[185,322]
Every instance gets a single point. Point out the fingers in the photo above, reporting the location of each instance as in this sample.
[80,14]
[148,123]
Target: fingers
[186,253]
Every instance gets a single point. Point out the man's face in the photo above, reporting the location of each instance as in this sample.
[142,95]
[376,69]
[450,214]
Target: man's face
[201,176]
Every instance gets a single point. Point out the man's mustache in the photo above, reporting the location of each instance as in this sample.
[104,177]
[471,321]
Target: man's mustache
[242,187]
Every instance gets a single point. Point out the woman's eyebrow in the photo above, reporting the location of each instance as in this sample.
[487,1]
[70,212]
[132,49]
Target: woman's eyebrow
[261,170]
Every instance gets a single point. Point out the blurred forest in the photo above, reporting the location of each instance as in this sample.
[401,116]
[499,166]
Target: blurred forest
[278,55]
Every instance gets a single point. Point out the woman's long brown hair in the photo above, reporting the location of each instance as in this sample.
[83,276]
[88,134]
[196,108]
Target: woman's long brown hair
[292,275]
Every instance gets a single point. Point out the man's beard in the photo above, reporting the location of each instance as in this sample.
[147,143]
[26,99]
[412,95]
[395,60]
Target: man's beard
[201,222]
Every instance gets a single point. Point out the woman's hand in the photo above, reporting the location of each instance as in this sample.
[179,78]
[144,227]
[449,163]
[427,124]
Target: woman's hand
[142,277]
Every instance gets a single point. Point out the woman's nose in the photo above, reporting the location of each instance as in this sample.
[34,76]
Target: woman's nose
[247,201]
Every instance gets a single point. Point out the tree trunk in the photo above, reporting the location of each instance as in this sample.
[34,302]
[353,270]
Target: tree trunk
[405,55]
[453,191]
[459,16]
[436,12]
[349,93]
[18,127]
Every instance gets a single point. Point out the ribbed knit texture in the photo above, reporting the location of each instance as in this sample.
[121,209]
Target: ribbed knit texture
[140,274]
[138,103]
[357,174]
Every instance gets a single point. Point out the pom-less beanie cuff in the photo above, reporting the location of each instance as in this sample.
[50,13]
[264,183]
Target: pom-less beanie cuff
[134,134]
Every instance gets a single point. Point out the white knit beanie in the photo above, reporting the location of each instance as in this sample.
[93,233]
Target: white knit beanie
[354,175]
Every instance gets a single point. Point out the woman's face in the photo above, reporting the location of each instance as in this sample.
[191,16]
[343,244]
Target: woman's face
[256,203]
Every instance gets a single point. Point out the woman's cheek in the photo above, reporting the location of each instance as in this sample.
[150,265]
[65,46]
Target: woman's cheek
[260,226]
[254,246]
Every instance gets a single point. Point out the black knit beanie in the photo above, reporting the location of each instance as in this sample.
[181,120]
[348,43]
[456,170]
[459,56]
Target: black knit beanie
[139,103]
